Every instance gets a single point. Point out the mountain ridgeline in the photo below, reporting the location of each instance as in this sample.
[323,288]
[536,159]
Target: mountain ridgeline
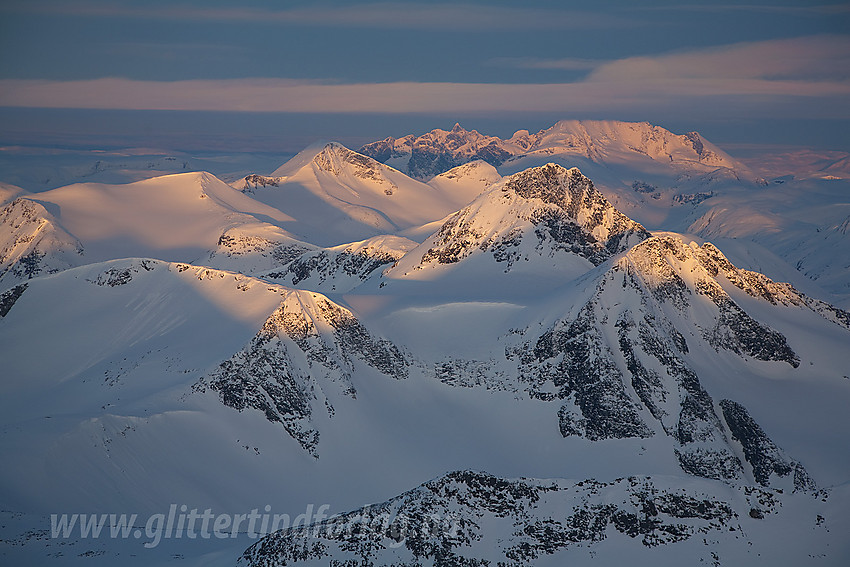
[469,341]
[425,156]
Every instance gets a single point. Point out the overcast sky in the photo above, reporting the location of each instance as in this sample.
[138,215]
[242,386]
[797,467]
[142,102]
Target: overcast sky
[278,75]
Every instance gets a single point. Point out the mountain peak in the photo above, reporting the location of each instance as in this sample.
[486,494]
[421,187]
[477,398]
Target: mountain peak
[36,243]
[551,183]
[550,217]
[574,195]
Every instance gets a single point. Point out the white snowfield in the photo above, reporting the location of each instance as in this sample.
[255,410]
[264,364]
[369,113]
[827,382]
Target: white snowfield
[534,356]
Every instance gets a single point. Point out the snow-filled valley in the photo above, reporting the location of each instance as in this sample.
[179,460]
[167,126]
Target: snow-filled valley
[603,341]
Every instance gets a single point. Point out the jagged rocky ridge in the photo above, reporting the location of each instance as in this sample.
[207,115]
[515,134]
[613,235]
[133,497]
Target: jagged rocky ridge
[277,257]
[339,161]
[254,181]
[475,519]
[435,152]
[307,347]
[547,212]
[425,156]
[342,267]
[658,293]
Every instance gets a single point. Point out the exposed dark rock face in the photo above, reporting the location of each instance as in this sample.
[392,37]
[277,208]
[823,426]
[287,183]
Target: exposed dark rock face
[381,150]
[702,444]
[439,151]
[442,522]
[8,298]
[618,388]
[765,458]
[304,351]
[471,374]
[575,196]
[760,286]
[255,181]
[113,277]
[293,263]
[580,365]
[355,341]
[660,261]
[427,160]
[738,332]
[557,209]
[266,379]
[327,264]
[643,187]
[233,244]
[692,198]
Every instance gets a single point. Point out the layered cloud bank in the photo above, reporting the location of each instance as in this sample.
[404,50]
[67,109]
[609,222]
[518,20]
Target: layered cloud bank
[806,76]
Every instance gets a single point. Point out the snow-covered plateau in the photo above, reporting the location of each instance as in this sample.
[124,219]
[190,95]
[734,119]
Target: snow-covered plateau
[602,342]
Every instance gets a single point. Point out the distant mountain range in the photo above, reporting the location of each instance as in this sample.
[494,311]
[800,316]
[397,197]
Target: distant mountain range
[478,351]
[433,153]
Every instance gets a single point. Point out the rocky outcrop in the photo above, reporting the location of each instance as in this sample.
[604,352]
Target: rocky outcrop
[342,267]
[475,519]
[438,151]
[765,458]
[650,299]
[10,297]
[302,357]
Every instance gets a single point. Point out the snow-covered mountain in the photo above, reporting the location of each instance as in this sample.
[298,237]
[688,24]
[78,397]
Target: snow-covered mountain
[613,141]
[33,243]
[805,222]
[648,172]
[470,518]
[542,220]
[685,183]
[144,355]
[268,251]
[438,151]
[265,375]
[335,196]
[466,181]
[255,248]
[640,343]
[337,332]
[174,217]
[595,141]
